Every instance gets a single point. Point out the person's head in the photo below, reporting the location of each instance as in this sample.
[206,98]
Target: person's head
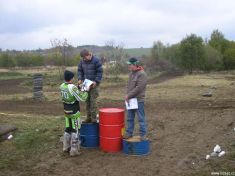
[86,55]
[133,64]
[68,76]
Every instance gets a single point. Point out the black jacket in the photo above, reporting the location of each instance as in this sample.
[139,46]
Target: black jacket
[91,70]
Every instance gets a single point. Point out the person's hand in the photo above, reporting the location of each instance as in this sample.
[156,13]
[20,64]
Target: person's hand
[94,84]
[79,82]
[127,99]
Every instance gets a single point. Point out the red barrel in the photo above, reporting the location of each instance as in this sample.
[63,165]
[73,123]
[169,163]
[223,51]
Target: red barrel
[111,121]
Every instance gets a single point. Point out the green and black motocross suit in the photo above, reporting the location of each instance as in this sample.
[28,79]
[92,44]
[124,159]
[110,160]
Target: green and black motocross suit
[70,97]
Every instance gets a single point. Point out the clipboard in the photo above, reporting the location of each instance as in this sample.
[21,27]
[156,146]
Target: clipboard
[132,103]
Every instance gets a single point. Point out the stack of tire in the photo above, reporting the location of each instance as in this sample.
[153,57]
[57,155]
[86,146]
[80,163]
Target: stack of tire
[38,86]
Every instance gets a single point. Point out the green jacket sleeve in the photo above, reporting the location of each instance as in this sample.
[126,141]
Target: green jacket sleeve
[79,95]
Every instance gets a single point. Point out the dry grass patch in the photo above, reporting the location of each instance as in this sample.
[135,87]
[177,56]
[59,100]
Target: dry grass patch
[191,87]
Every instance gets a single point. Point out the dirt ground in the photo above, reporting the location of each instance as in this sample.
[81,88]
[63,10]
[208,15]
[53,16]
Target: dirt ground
[181,132]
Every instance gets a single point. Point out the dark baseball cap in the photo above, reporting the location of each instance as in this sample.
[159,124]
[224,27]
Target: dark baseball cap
[132,61]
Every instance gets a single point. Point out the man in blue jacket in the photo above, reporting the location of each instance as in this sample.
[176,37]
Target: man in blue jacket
[90,68]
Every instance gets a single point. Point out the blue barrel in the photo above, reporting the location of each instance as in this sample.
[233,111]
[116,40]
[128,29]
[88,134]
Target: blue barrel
[136,147]
[89,135]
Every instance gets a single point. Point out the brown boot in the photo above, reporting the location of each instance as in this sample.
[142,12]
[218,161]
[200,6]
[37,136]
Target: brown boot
[93,120]
[143,138]
[127,136]
[87,120]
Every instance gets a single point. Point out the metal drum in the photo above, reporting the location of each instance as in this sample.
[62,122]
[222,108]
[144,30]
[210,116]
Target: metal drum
[89,135]
[135,146]
[111,129]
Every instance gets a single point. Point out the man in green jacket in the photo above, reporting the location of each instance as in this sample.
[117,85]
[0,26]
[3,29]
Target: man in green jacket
[136,88]
[70,97]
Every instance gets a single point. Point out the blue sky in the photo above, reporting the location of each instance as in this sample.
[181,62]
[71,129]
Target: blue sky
[31,24]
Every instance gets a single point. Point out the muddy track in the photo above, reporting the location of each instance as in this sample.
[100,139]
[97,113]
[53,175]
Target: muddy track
[13,86]
[55,107]
[181,134]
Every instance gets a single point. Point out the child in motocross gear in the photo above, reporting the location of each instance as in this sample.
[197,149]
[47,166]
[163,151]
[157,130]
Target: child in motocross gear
[70,97]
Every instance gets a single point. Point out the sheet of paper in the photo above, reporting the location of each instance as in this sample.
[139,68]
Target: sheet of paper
[86,84]
[132,103]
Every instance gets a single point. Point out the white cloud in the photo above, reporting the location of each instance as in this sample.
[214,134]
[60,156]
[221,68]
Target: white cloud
[27,24]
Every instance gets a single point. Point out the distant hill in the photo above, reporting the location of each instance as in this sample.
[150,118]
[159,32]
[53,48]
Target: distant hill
[97,50]
[138,52]
[132,52]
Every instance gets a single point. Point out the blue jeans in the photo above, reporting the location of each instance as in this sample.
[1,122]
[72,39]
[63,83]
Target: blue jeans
[141,119]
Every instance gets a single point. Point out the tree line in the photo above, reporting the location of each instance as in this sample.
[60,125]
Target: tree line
[60,54]
[31,59]
[194,53]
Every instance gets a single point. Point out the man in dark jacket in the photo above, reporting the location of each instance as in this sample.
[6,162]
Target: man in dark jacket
[90,68]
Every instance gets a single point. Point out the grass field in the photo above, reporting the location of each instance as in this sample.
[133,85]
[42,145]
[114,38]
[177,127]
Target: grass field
[183,127]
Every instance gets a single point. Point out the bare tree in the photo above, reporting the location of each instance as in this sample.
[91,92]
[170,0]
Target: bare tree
[116,56]
[60,48]
[115,51]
